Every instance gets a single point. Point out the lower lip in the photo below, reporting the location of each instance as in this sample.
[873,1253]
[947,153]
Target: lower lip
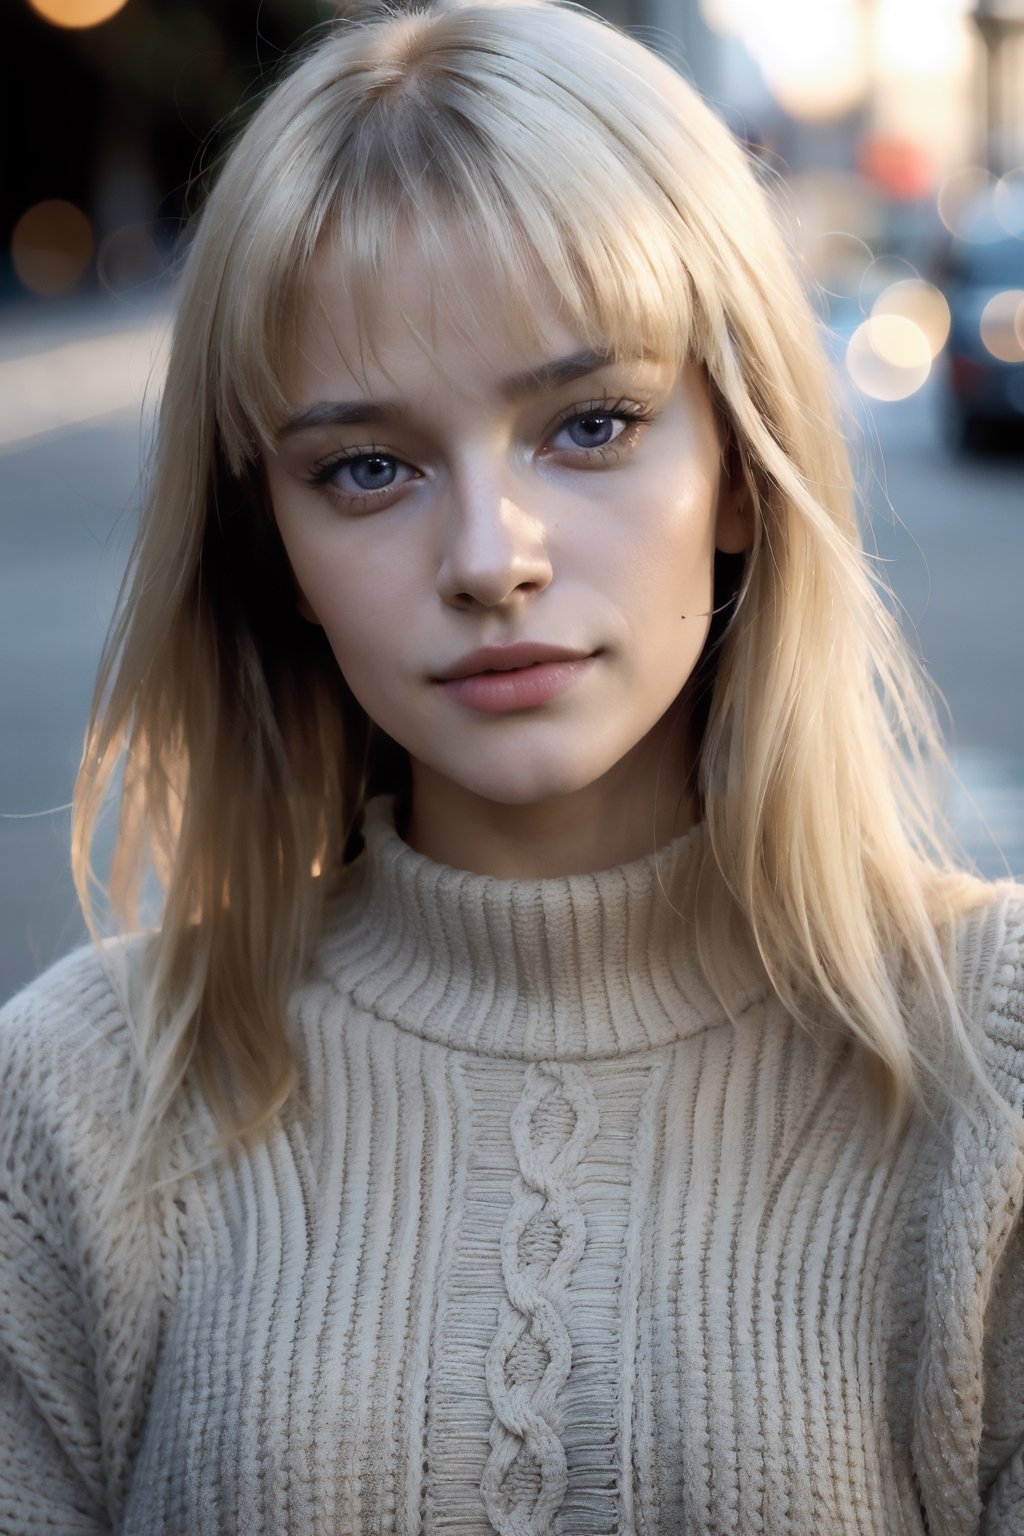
[501,693]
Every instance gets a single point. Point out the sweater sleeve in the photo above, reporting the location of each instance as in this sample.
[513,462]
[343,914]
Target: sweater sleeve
[77,1320]
[50,1477]
[1002,1454]
[967,1426]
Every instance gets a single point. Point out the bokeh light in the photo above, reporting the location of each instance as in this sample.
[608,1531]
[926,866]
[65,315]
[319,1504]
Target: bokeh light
[881,273]
[77,13]
[51,246]
[723,16]
[896,165]
[814,53]
[128,258]
[1002,325]
[921,303]
[837,261]
[888,357]
[1008,201]
[960,197]
[920,37]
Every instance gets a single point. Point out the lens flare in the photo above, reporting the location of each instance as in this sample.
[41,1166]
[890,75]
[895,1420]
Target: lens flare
[77,13]
[888,357]
[1002,325]
[51,246]
[921,303]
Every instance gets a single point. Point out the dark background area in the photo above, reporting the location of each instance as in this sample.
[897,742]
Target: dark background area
[125,119]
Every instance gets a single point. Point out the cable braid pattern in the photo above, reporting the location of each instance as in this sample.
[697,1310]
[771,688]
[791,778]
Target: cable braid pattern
[523,1430]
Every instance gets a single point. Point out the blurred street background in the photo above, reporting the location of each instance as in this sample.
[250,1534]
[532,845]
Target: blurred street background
[891,133]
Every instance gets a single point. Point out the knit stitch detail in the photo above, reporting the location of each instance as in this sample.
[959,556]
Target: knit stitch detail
[525,1427]
[662,1283]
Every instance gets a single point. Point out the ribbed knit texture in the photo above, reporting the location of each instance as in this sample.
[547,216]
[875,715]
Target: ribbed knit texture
[553,1244]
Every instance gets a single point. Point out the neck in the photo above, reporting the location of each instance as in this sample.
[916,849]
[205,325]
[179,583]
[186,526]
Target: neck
[591,965]
[621,817]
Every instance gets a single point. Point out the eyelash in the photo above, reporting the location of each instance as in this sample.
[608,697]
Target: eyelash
[323,472]
[631,413]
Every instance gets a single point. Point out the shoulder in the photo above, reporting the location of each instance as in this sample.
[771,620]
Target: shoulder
[968,1407]
[66,1066]
[75,1009]
[989,962]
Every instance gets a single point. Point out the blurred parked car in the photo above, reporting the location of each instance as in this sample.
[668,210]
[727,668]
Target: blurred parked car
[983,281]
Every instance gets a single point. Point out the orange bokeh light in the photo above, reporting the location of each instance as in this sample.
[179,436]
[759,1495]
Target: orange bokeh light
[77,13]
[51,247]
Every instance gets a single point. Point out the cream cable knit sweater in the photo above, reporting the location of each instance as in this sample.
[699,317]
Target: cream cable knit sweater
[554,1247]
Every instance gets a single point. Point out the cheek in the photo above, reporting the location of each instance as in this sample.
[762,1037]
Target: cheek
[341,589]
[669,565]
[357,621]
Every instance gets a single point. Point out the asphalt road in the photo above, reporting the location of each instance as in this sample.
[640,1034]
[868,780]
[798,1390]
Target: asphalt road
[950,531]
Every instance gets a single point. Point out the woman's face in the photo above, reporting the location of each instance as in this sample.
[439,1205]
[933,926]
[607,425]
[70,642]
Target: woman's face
[510,550]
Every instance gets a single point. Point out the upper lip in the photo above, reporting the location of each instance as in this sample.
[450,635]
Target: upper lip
[507,658]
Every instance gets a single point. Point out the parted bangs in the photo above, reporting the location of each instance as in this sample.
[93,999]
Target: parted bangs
[430,171]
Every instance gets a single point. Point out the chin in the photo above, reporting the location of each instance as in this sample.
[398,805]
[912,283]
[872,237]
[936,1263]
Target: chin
[524,785]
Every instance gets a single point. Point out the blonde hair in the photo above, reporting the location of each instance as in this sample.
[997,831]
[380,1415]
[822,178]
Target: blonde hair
[544,136]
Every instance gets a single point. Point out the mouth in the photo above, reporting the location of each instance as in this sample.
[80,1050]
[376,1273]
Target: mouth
[518,679]
[523,656]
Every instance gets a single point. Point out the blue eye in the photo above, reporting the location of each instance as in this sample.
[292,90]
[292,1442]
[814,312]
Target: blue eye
[592,429]
[361,474]
[372,471]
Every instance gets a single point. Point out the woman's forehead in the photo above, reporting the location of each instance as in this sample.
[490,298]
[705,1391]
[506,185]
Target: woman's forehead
[471,302]
[456,310]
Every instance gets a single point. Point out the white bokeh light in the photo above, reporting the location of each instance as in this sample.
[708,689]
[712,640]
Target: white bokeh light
[921,303]
[814,53]
[1002,325]
[889,357]
[920,37]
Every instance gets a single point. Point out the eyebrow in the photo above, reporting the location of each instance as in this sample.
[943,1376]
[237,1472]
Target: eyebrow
[548,376]
[530,381]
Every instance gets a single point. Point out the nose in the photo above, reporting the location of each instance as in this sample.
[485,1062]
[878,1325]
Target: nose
[495,547]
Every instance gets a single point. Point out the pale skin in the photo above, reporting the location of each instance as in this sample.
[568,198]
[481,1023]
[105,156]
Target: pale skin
[487,494]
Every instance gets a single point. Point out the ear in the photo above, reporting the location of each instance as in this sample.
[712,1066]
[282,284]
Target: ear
[734,526]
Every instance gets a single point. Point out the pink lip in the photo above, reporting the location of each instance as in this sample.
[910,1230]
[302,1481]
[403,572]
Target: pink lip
[507,658]
[502,679]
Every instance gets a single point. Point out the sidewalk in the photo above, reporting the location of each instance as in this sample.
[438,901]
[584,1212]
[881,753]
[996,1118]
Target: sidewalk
[76,363]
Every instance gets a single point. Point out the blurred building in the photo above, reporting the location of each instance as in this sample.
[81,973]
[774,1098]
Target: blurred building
[1001,26]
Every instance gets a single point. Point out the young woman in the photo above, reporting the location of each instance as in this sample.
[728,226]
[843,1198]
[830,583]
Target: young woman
[569,1090]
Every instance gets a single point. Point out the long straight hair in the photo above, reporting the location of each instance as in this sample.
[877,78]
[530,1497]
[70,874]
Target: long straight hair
[547,140]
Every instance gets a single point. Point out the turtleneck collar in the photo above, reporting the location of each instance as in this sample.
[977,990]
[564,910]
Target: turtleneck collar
[579,967]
